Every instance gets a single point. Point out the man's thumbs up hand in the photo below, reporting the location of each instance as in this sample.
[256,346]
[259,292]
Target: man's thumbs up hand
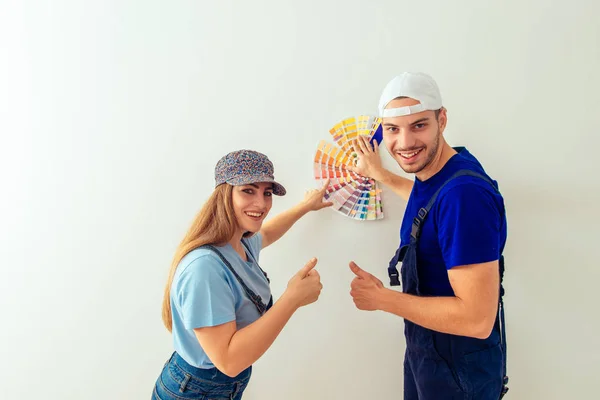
[365,289]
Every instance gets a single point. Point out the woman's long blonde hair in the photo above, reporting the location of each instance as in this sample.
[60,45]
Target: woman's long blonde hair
[215,223]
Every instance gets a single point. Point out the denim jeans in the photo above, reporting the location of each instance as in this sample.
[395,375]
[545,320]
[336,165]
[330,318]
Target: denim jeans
[181,381]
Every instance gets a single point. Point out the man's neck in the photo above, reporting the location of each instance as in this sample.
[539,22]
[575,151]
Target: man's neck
[437,163]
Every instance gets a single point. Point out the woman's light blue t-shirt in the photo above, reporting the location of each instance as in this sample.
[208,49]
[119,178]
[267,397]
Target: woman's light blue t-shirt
[205,293]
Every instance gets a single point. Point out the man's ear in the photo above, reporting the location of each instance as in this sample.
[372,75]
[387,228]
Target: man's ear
[442,119]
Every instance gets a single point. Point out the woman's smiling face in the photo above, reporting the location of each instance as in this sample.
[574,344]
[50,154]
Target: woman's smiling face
[251,204]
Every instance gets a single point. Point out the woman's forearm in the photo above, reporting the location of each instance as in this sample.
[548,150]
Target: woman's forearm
[248,344]
[273,229]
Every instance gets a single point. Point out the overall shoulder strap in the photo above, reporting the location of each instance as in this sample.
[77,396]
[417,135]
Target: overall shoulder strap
[423,212]
[256,299]
[249,252]
[502,330]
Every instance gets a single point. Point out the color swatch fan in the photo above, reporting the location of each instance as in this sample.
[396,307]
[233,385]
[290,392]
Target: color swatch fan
[353,195]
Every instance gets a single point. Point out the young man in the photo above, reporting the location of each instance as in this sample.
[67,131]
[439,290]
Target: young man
[451,243]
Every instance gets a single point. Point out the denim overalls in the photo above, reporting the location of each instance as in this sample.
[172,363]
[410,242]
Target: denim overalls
[444,366]
[180,380]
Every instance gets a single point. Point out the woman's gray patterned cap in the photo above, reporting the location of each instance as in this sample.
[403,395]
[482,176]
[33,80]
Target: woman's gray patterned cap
[244,167]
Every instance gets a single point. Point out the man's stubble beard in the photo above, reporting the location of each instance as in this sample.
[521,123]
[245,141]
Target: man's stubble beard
[431,152]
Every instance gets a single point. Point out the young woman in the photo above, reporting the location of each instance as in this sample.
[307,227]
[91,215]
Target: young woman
[217,302]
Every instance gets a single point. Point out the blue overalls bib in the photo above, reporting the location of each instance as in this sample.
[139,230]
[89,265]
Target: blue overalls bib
[444,366]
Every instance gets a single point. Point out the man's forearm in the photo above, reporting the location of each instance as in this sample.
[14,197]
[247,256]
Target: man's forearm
[401,186]
[442,314]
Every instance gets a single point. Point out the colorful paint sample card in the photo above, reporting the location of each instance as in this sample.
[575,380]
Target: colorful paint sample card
[352,195]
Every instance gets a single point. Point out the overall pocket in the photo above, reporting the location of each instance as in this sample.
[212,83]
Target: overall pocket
[451,369]
[484,371]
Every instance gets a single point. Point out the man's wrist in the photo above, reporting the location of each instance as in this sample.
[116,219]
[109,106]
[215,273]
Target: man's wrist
[386,299]
[381,298]
[384,176]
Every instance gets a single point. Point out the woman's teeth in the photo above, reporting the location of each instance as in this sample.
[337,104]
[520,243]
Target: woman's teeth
[255,215]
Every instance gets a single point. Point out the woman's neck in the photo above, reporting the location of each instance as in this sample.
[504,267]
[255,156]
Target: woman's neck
[236,243]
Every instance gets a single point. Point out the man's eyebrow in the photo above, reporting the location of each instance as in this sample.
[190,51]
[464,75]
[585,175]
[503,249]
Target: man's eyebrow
[420,120]
[425,119]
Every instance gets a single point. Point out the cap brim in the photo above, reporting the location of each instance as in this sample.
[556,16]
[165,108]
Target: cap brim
[278,189]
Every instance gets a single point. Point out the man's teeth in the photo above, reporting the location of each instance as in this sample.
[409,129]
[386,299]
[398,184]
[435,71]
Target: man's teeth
[409,155]
[257,215]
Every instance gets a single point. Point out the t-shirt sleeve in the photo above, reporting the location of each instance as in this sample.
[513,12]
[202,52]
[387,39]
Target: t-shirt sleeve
[204,293]
[469,224]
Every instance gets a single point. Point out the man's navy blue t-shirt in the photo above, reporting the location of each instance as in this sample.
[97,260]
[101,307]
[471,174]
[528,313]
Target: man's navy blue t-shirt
[466,225]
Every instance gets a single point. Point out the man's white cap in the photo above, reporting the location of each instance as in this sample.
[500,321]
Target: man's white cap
[416,85]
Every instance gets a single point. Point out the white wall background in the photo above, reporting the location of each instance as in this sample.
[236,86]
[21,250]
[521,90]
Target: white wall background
[113,114]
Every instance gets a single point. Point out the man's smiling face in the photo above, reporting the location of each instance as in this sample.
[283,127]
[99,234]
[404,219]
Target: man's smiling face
[413,140]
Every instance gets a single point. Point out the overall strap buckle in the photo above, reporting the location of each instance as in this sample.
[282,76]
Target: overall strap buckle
[392,270]
[504,387]
[394,280]
[417,223]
